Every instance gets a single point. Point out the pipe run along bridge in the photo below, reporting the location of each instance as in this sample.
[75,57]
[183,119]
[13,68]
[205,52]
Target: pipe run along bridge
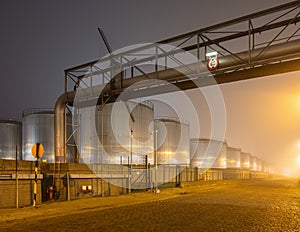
[252,46]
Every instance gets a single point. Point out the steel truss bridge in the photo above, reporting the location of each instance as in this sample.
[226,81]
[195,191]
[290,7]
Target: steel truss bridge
[252,46]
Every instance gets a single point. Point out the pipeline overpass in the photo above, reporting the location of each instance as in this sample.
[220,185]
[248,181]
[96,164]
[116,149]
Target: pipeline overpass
[252,46]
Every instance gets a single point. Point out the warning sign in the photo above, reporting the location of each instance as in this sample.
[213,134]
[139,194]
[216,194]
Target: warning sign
[37,150]
[212,63]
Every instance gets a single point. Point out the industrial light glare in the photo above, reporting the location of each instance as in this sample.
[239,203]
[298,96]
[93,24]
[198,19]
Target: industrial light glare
[209,54]
[168,152]
[298,160]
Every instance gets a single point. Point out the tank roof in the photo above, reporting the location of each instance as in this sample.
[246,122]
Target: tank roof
[10,121]
[207,140]
[37,111]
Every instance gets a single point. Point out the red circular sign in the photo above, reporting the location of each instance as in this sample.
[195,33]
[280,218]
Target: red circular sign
[212,63]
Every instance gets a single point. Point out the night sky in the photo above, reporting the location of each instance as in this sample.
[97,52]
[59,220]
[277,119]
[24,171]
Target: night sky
[40,39]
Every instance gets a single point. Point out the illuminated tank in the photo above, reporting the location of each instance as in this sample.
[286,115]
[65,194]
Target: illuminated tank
[233,157]
[259,165]
[10,139]
[253,164]
[110,135]
[38,127]
[172,141]
[207,153]
[245,160]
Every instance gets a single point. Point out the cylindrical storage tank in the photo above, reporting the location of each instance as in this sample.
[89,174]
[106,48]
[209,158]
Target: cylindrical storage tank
[206,153]
[233,157]
[38,127]
[10,139]
[116,132]
[266,167]
[259,165]
[171,141]
[245,160]
[253,165]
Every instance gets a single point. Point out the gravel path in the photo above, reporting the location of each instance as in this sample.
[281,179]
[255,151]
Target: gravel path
[252,205]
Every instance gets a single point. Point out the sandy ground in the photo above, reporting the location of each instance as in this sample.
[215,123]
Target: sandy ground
[248,205]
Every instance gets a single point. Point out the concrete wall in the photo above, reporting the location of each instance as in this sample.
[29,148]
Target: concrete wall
[8,183]
[77,177]
[8,193]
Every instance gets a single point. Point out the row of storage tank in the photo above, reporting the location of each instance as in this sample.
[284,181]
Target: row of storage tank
[112,135]
[217,154]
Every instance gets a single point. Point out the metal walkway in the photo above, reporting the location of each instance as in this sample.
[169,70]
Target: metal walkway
[259,44]
[256,45]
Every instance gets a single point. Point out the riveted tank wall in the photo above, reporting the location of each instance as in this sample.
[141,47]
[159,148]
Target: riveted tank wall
[233,157]
[172,141]
[10,139]
[245,160]
[110,134]
[207,153]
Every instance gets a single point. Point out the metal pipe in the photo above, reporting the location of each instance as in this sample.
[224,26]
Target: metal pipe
[278,52]
[59,125]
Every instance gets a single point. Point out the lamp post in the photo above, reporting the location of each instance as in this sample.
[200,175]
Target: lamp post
[17,180]
[156,132]
[298,170]
[130,170]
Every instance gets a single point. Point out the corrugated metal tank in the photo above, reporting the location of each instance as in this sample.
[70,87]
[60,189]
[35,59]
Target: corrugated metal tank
[245,160]
[38,127]
[118,119]
[233,157]
[207,153]
[172,141]
[10,138]
[253,165]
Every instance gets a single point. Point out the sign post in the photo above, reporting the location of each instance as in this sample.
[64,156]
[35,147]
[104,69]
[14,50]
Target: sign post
[37,151]
[17,180]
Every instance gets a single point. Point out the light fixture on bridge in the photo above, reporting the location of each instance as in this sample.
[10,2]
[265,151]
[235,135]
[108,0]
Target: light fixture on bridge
[212,54]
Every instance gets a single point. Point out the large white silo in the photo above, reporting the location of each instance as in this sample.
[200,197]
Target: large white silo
[172,141]
[115,132]
[38,127]
[10,139]
[233,157]
[245,160]
[206,153]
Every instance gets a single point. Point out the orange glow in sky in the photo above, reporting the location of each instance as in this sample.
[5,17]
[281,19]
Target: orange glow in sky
[263,117]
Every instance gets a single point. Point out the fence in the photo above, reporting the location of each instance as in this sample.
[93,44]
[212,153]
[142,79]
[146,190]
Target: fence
[71,181]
